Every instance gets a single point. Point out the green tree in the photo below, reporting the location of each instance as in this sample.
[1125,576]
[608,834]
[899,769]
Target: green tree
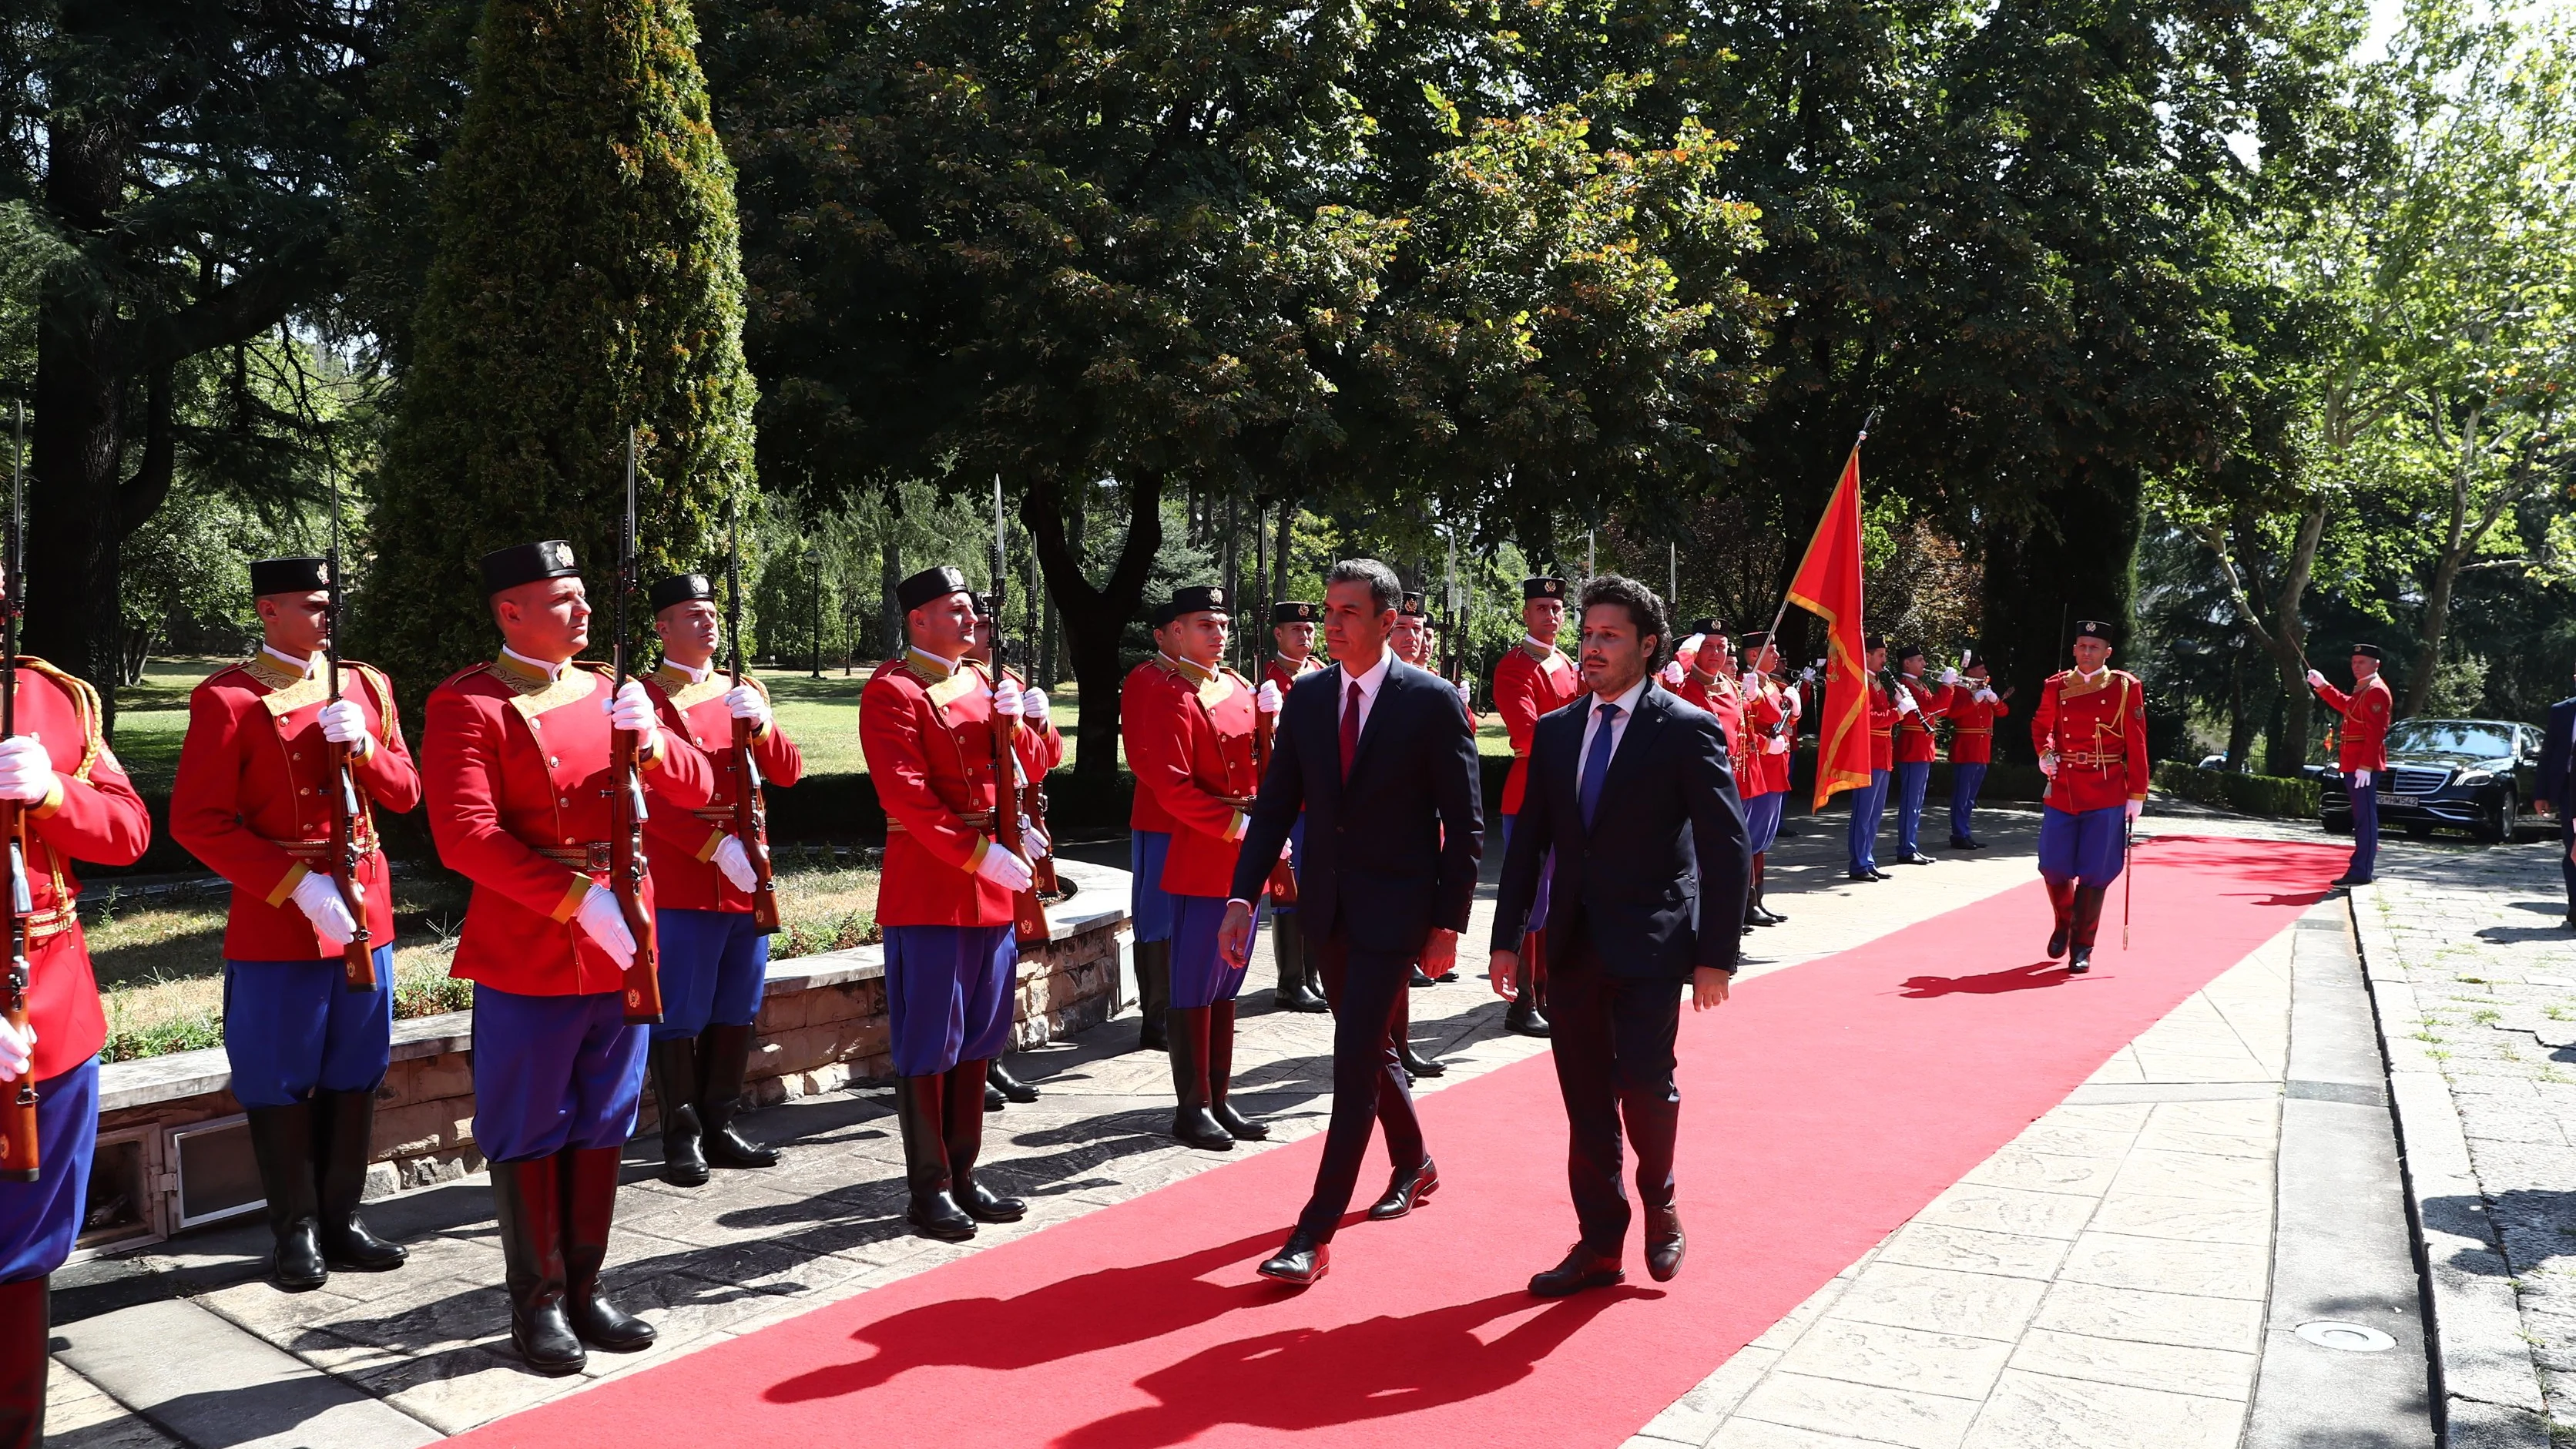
[587,280]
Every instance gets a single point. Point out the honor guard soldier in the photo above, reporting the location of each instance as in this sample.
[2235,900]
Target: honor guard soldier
[516,761]
[712,954]
[2362,754]
[1529,680]
[1869,803]
[1702,671]
[1041,747]
[1149,838]
[1771,721]
[2091,733]
[1410,641]
[1292,634]
[74,803]
[1191,744]
[1915,747]
[1973,712]
[254,800]
[945,901]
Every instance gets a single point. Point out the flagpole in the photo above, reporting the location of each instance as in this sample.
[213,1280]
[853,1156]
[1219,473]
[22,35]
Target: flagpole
[1773,638]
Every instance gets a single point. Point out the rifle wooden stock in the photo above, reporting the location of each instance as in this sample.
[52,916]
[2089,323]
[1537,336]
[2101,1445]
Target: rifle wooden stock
[1033,801]
[626,868]
[19,1157]
[751,824]
[358,954]
[1028,913]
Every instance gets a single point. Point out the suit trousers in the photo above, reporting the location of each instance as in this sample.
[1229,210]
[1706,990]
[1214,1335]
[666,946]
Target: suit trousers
[2567,858]
[1369,1085]
[1613,1045]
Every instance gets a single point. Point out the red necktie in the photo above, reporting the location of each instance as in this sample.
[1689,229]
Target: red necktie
[1350,729]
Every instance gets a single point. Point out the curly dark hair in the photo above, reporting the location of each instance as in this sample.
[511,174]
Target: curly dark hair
[1644,610]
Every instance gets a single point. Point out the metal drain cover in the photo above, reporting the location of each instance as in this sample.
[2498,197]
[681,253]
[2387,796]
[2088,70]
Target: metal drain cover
[2350,1337]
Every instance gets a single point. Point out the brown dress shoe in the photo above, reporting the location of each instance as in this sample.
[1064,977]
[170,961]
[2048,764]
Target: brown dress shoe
[1664,1243]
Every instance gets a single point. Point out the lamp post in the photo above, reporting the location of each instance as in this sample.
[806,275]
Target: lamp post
[814,564]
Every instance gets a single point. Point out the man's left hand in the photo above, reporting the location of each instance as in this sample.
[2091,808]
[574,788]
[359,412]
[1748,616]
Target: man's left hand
[1708,987]
[1440,953]
[2136,808]
[1503,968]
[1234,934]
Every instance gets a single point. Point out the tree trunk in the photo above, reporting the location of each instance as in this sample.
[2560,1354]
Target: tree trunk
[2241,723]
[1094,618]
[889,575]
[1279,552]
[2038,582]
[2457,541]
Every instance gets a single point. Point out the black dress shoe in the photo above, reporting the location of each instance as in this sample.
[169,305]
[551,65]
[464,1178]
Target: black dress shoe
[995,1075]
[1418,979]
[2080,962]
[1877,874]
[994,1101]
[2351,880]
[1405,1192]
[987,1206]
[1858,875]
[1522,1018]
[1301,1261]
[1417,1065]
[1582,1268]
[1917,858]
[1664,1243]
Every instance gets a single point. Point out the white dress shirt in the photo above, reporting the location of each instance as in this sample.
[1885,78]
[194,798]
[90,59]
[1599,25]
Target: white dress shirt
[1369,684]
[1618,728]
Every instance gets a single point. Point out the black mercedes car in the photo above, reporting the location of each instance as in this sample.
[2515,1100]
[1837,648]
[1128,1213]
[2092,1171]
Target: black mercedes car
[2477,775]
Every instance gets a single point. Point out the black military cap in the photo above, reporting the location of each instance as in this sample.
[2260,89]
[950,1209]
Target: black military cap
[1293,611]
[507,568]
[2093,629]
[929,586]
[289,576]
[2367,651]
[1410,606]
[1192,600]
[1709,624]
[1542,587]
[985,607]
[679,589]
[1758,639]
[1873,641]
[1910,651]
[1971,659]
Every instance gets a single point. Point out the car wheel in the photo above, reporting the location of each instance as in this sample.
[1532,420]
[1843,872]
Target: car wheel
[2496,826]
[2335,824]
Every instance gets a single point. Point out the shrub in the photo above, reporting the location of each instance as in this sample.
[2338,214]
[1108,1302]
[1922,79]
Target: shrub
[2247,794]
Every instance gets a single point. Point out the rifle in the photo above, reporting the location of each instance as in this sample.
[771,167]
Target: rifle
[1028,913]
[1283,878]
[750,810]
[18,1155]
[626,797]
[358,954]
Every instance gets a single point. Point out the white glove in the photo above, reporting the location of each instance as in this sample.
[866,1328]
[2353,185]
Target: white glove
[1287,852]
[1777,745]
[17,1051]
[1949,676]
[1807,675]
[1266,698]
[1005,870]
[745,701]
[26,771]
[1690,646]
[2316,680]
[1033,705]
[1465,699]
[631,710]
[343,723]
[2048,763]
[1751,680]
[1673,675]
[2360,779]
[606,924]
[2136,809]
[735,862]
[1905,700]
[319,898]
[1035,842]
[1006,697]
[1984,696]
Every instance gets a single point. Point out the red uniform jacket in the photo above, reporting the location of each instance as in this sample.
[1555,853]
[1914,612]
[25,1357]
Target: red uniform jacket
[680,845]
[1972,728]
[1279,673]
[516,768]
[1143,812]
[1769,714]
[93,814]
[927,731]
[253,798]
[1719,695]
[1914,742]
[2098,728]
[2365,714]
[1525,687]
[1882,727]
[1192,747]
[1041,746]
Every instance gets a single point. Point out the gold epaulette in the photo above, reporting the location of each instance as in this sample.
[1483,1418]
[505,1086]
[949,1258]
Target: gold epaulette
[84,700]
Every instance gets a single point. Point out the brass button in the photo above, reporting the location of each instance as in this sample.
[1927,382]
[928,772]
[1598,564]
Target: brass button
[551,760]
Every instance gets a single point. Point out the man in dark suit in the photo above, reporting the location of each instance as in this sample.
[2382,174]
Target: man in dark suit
[2558,790]
[1629,786]
[1379,756]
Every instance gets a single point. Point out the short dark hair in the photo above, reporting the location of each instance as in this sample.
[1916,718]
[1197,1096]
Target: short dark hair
[1644,609]
[1384,588]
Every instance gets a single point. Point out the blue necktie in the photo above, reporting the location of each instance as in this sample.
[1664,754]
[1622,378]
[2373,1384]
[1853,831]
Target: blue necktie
[1596,762]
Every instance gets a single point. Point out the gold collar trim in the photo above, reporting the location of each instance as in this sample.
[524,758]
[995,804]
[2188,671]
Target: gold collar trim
[685,692]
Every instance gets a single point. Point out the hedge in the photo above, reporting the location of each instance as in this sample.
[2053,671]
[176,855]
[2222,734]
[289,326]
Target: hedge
[2246,794]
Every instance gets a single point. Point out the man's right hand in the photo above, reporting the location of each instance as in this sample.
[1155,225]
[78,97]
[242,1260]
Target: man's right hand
[601,920]
[1503,968]
[1234,934]
[2048,763]
[318,897]
[17,1050]
[1005,870]
[2316,680]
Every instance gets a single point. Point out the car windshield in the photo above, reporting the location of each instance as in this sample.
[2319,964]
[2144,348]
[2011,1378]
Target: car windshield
[2449,737]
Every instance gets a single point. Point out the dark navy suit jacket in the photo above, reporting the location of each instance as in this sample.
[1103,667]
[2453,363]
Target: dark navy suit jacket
[1657,882]
[1391,852]
[2557,780]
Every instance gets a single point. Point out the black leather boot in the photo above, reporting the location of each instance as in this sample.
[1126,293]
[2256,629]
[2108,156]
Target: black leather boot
[26,1352]
[917,1104]
[675,1089]
[2061,900]
[1192,1123]
[590,1205]
[1153,994]
[345,1130]
[1523,1015]
[1415,1064]
[1763,914]
[1000,1076]
[965,1143]
[2088,922]
[528,1197]
[724,1055]
[1296,980]
[1220,1075]
[1418,979]
[281,1139]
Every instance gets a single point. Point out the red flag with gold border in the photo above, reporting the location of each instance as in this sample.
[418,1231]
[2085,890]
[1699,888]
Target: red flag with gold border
[1828,585]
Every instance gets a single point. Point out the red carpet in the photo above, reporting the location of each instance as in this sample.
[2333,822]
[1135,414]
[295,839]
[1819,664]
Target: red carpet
[1821,1108]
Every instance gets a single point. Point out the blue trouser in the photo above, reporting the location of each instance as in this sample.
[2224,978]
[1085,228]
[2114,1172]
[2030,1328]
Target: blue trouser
[1868,806]
[1965,781]
[1546,873]
[292,1028]
[713,964]
[1147,902]
[1762,820]
[39,1219]
[2365,827]
[2082,846]
[1912,778]
[553,1072]
[1200,975]
[948,994]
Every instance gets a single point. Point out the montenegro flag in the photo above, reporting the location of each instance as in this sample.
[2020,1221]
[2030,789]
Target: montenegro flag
[1828,586]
